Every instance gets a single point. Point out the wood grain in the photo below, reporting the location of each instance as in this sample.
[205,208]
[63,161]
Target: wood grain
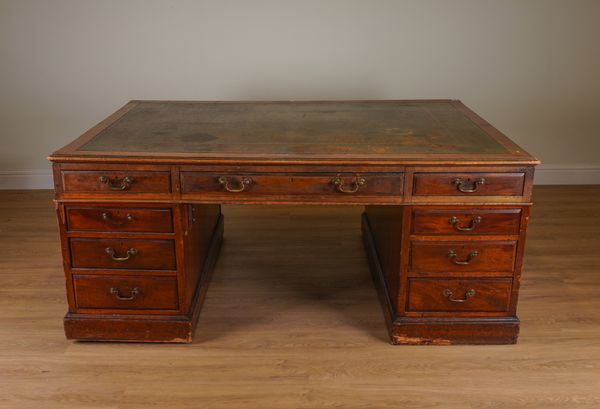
[300,326]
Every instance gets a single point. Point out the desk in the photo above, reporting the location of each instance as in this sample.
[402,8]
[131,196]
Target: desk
[446,197]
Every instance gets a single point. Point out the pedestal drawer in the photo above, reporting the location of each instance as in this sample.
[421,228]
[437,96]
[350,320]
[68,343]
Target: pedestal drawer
[473,295]
[122,254]
[120,292]
[466,221]
[468,184]
[119,219]
[115,181]
[463,256]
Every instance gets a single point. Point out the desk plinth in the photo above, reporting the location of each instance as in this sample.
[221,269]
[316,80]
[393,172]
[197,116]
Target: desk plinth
[446,198]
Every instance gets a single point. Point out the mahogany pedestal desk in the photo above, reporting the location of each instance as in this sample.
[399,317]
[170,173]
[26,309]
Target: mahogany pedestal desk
[446,198]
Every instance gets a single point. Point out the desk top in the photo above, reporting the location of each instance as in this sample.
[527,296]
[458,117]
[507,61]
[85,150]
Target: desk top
[404,132]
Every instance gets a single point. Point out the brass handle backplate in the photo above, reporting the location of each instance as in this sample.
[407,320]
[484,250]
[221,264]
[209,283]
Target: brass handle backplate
[130,253]
[108,217]
[116,183]
[338,182]
[450,295]
[466,186]
[245,181]
[134,292]
[455,221]
[452,254]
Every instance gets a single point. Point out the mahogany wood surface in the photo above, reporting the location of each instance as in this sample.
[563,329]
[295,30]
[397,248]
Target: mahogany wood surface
[441,184]
[462,256]
[93,181]
[129,292]
[119,219]
[466,221]
[149,254]
[427,295]
[447,200]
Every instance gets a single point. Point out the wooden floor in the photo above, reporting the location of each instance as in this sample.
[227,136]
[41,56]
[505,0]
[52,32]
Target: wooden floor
[292,321]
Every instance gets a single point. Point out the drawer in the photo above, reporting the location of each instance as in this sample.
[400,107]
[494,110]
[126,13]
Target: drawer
[474,295]
[468,184]
[122,254]
[119,219]
[344,184]
[466,221]
[465,256]
[121,292]
[116,182]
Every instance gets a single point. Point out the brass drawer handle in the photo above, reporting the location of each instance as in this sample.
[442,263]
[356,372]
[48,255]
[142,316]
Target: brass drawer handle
[452,254]
[130,253]
[449,295]
[245,181]
[466,186]
[356,184]
[107,217]
[134,292]
[454,221]
[116,183]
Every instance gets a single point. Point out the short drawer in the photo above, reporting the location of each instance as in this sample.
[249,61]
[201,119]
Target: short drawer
[119,219]
[477,295]
[122,254]
[125,293]
[466,221]
[340,185]
[115,182]
[465,256]
[468,184]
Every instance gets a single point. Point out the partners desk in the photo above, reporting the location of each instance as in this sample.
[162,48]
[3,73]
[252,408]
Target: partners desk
[446,196]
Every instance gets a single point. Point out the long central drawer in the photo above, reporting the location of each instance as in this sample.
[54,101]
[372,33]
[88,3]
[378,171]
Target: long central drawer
[341,185]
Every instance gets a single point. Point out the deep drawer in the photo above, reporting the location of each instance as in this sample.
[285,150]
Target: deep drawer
[466,221]
[115,182]
[119,219]
[122,254]
[464,256]
[120,292]
[345,184]
[468,184]
[474,295]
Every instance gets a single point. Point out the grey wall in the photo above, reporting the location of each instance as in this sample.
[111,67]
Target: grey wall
[530,67]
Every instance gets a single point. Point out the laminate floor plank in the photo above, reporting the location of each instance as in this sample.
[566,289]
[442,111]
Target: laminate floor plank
[291,320]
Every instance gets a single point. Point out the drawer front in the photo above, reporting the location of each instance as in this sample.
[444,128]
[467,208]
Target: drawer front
[119,219]
[123,254]
[459,295]
[468,184]
[467,256]
[467,221]
[238,185]
[115,182]
[110,292]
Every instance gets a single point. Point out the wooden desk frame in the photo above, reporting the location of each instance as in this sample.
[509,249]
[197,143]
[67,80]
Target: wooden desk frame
[146,282]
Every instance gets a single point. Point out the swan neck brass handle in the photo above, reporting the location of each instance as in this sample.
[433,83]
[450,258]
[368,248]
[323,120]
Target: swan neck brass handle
[466,186]
[134,293]
[450,295]
[340,186]
[244,182]
[116,183]
[108,217]
[452,254]
[455,221]
[113,255]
